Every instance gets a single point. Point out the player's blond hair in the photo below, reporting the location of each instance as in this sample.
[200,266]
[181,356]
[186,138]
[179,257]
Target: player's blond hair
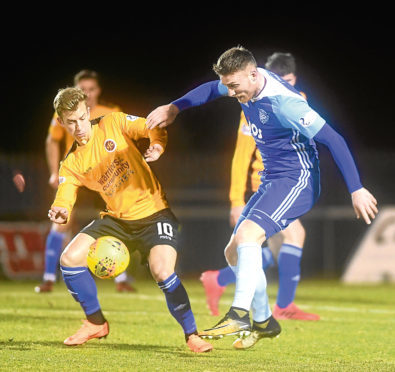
[68,99]
[233,60]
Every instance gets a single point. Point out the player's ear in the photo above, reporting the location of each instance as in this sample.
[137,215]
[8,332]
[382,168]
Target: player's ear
[253,75]
[59,120]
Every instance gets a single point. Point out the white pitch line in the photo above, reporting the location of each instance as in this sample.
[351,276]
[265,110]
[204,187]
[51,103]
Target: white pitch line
[160,297]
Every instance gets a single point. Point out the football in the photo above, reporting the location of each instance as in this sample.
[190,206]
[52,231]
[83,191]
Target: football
[108,257]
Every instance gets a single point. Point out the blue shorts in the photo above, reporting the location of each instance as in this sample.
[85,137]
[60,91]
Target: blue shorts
[281,200]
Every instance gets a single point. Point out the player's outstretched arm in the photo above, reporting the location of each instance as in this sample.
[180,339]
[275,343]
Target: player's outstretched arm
[165,115]
[153,152]
[162,116]
[365,205]
[58,215]
[52,148]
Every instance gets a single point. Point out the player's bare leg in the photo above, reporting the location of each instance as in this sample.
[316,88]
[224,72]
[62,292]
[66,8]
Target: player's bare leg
[244,253]
[162,260]
[81,285]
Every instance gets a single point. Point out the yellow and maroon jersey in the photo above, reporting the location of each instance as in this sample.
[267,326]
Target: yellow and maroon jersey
[112,165]
[58,133]
[246,163]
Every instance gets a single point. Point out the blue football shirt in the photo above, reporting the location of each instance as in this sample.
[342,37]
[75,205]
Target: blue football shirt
[283,125]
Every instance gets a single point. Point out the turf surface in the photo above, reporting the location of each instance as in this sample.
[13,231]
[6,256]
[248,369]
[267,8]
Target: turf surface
[356,331]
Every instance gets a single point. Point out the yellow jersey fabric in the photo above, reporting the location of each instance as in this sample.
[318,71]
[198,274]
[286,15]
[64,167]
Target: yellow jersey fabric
[58,133]
[246,163]
[112,165]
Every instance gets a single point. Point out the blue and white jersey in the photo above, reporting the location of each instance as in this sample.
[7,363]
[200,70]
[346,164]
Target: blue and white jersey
[283,125]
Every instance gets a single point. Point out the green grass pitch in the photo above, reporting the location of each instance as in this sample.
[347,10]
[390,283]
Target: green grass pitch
[356,331]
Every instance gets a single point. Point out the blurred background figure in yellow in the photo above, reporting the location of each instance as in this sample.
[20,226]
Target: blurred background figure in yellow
[58,143]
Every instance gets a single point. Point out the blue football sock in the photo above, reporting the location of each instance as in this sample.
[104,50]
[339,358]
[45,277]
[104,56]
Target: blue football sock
[227,276]
[178,303]
[289,273]
[267,258]
[53,249]
[82,286]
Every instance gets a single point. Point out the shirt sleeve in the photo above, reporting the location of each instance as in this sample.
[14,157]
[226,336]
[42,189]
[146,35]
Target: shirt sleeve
[342,156]
[202,94]
[295,113]
[135,128]
[244,150]
[66,194]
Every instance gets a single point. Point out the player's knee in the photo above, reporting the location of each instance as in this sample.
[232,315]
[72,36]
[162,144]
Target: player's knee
[295,234]
[250,233]
[160,271]
[72,258]
[161,275]
[230,255]
[230,252]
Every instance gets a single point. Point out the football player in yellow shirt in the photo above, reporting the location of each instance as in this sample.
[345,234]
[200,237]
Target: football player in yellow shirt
[58,143]
[105,158]
[287,245]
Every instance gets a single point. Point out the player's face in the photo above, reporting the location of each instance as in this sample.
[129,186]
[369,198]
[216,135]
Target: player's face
[92,89]
[290,78]
[77,123]
[243,84]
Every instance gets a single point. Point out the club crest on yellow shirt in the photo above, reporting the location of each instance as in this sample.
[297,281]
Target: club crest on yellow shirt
[110,145]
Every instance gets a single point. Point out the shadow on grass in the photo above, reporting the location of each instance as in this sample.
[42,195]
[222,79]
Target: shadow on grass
[29,318]
[98,345]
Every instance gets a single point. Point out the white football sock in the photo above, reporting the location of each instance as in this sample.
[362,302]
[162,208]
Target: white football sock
[123,277]
[249,266]
[260,303]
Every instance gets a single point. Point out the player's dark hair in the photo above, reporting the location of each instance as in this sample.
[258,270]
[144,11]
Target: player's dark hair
[232,60]
[86,74]
[281,63]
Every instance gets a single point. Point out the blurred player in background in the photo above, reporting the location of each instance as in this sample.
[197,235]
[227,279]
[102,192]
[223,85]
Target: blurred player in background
[287,245]
[106,159]
[58,143]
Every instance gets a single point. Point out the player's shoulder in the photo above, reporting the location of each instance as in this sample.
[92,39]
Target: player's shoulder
[116,118]
[69,161]
[108,117]
[277,87]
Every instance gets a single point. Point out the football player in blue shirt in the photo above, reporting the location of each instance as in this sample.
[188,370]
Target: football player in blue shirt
[285,129]
[287,245]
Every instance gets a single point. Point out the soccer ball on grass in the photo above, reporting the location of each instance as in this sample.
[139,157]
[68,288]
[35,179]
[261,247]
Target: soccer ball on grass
[108,257]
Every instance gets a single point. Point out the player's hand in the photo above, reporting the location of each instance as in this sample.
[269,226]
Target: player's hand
[54,180]
[162,116]
[58,215]
[365,205]
[234,216]
[153,152]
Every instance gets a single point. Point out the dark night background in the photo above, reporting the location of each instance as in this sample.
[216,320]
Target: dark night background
[345,66]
